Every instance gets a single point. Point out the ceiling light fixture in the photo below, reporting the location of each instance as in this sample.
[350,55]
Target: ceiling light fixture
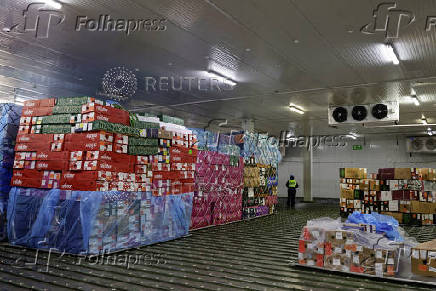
[222,78]
[54,4]
[429,131]
[296,109]
[424,121]
[390,52]
[414,97]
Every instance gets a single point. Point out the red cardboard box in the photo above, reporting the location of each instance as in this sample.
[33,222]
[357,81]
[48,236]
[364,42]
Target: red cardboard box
[52,156]
[33,147]
[183,151]
[37,111]
[82,185]
[77,177]
[115,166]
[27,174]
[89,137]
[49,102]
[58,165]
[111,112]
[116,157]
[165,175]
[88,146]
[93,116]
[34,138]
[25,156]
[29,183]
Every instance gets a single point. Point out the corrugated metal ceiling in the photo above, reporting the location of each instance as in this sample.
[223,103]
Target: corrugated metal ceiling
[309,52]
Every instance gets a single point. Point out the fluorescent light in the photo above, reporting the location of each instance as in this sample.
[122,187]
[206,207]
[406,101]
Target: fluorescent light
[222,78]
[231,82]
[54,4]
[296,109]
[429,131]
[412,92]
[352,135]
[416,101]
[424,121]
[391,54]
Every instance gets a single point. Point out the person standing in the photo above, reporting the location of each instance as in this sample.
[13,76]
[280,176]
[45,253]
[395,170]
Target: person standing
[292,186]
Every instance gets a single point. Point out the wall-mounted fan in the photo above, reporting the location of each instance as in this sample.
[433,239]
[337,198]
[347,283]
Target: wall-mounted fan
[359,112]
[340,114]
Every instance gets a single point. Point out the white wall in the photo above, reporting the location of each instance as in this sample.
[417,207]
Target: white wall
[378,152]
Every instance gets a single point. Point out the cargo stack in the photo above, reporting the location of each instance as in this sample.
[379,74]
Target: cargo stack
[407,194]
[358,249]
[261,157]
[260,190]
[219,184]
[9,122]
[75,146]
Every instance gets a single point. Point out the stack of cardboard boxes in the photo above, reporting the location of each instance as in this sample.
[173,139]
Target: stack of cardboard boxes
[78,145]
[260,190]
[82,144]
[407,194]
[423,259]
[340,250]
[218,195]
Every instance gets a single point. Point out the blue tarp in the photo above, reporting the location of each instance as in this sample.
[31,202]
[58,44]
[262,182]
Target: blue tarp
[384,224]
[82,222]
[9,123]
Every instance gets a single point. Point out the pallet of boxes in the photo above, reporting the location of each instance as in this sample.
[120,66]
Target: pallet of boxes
[328,244]
[218,177]
[89,177]
[407,194]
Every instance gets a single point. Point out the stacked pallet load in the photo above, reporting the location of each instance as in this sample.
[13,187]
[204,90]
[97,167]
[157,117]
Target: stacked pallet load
[9,122]
[116,181]
[407,194]
[219,184]
[328,244]
[261,158]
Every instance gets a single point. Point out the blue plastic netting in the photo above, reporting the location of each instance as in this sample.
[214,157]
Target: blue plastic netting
[90,222]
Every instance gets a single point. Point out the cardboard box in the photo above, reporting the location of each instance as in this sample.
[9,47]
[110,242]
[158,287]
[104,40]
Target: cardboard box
[27,174]
[423,259]
[52,156]
[37,111]
[89,137]
[56,165]
[34,138]
[29,183]
[41,146]
[89,146]
[403,173]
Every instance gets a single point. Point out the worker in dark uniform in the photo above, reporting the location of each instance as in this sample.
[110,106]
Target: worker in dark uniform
[292,186]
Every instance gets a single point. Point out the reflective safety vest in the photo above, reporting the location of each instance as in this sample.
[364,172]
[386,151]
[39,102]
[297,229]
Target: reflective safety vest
[292,183]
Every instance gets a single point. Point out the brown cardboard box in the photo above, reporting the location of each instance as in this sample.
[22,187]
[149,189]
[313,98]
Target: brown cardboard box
[363,261]
[403,173]
[336,256]
[425,173]
[355,173]
[404,206]
[397,215]
[347,193]
[423,259]
[386,262]
[415,206]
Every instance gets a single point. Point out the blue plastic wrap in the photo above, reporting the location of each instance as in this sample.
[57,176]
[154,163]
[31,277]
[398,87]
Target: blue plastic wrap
[9,123]
[263,148]
[384,224]
[82,222]
[206,140]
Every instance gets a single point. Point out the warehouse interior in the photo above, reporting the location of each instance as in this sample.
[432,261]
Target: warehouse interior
[253,88]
